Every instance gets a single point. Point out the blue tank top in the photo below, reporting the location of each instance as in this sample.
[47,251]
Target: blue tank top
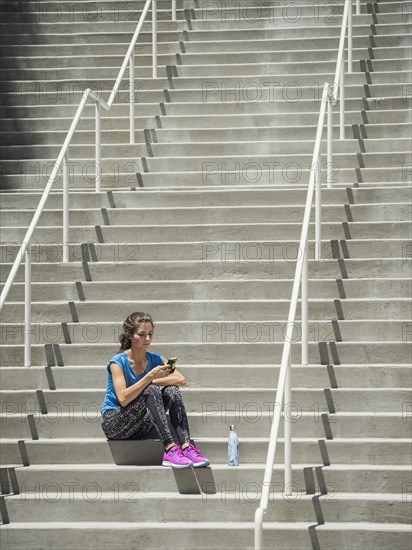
[121,359]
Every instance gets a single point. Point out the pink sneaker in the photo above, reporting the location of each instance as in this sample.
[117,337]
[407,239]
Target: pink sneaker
[193,454]
[175,458]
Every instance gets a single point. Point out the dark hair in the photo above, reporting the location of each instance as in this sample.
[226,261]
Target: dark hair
[130,326]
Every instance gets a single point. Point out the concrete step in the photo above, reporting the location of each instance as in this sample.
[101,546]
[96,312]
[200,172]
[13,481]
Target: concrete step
[232,169]
[239,174]
[305,450]
[218,197]
[373,507]
[207,197]
[126,174]
[253,419]
[378,131]
[375,145]
[188,75]
[245,331]
[92,27]
[27,53]
[64,101]
[255,39]
[209,215]
[250,402]
[189,58]
[293,13]
[98,21]
[105,477]
[293,48]
[234,535]
[320,309]
[83,148]
[231,89]
[62,73]
[280,142]
[97,17]
[208,128]
[190,138]
[192,171]
[286,88]
[394,6]
[382,72]
[228,352]
[217,270]
[68,57]
[70,90]
[262,134]
[203,289]
[251,169]
[242,105]
[203,376]
[67,110]
[236,172]
[376,119]
[37,127]
[75,6]
[24,37]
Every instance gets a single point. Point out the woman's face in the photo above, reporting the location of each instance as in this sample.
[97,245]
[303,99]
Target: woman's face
[143,336]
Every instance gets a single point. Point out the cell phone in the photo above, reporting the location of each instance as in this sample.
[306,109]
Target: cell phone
[172,363]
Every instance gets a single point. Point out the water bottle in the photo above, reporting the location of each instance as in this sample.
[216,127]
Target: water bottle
[233,447]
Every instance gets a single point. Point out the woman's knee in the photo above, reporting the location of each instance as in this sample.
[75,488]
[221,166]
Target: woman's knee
[152,390]
[172,393]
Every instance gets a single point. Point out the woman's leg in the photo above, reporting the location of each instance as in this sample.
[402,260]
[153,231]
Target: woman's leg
[131,422]
[173,455]
[154,402]
[172,399]
[173,402]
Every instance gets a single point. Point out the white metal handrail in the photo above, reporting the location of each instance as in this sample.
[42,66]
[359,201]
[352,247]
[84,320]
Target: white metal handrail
[62,163]
[300,282]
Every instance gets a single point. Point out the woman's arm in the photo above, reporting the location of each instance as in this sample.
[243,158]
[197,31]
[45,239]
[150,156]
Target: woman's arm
[124,394]
[174,379]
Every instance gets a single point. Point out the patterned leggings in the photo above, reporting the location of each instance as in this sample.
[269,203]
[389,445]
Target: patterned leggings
[146,416]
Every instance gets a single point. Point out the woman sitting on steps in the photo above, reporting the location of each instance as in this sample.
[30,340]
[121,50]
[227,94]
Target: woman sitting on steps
[141,389]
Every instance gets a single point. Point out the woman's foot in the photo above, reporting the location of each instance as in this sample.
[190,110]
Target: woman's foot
[193,454]
[175,458]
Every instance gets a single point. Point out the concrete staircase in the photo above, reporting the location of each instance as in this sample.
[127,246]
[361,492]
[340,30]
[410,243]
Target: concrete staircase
[198,224]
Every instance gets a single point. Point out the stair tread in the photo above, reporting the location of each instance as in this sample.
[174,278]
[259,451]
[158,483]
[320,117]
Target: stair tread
[208,524]
[215,466]
[152,495]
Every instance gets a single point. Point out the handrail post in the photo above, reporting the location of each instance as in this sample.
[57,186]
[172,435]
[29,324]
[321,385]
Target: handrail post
[342,101]
[304,307]
[98,130]
[358,11]
[173,10]
[154,38]
[329,169]
[318,210]
[288,430]
[350,39]
[131,98]
[27,306]
[65,209]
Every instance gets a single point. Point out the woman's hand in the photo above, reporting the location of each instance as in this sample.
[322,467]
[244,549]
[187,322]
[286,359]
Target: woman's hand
[159,372]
